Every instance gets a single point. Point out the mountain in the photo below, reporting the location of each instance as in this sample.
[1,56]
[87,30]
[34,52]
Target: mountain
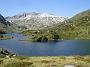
[77,27]
[35,21]
[5,26]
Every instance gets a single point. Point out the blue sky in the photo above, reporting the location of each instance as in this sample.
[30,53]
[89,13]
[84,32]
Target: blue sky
[65,8]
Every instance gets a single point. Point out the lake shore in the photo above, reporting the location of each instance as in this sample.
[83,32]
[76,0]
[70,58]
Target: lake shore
[5,37]
[45,61]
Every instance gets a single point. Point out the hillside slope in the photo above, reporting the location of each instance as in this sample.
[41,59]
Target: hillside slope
[77,27]
[5,26]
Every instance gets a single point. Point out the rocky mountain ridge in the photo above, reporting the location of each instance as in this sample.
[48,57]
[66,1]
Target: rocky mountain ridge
[34,21]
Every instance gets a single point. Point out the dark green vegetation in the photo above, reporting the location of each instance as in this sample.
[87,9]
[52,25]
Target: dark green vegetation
[77,27]
[42,35]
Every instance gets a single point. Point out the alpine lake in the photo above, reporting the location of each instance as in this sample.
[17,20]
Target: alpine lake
[21,47]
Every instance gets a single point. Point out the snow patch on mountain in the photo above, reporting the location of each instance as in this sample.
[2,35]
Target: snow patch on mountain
[35,20]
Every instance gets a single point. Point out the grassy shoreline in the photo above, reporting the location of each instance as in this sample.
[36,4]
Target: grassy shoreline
[5,37]
[45,61]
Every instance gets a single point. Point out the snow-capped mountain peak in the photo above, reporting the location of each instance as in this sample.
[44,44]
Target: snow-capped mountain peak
[35,20]
[46,15]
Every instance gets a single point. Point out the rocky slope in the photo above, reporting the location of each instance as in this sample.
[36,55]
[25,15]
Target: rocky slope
[5,26]
[34,21]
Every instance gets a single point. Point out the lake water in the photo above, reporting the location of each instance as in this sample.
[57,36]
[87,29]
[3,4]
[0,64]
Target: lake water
[65,47]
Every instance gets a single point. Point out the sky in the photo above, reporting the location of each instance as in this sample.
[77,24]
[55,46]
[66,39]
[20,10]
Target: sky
[65,8]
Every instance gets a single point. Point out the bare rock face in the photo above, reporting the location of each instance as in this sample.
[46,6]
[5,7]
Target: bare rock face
[34,21]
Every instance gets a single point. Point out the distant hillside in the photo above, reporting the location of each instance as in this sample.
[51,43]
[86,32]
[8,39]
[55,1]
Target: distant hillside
[35,21]
[5,26]
[77,27]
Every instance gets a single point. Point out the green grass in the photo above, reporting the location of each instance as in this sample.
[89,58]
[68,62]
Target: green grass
[45,61]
